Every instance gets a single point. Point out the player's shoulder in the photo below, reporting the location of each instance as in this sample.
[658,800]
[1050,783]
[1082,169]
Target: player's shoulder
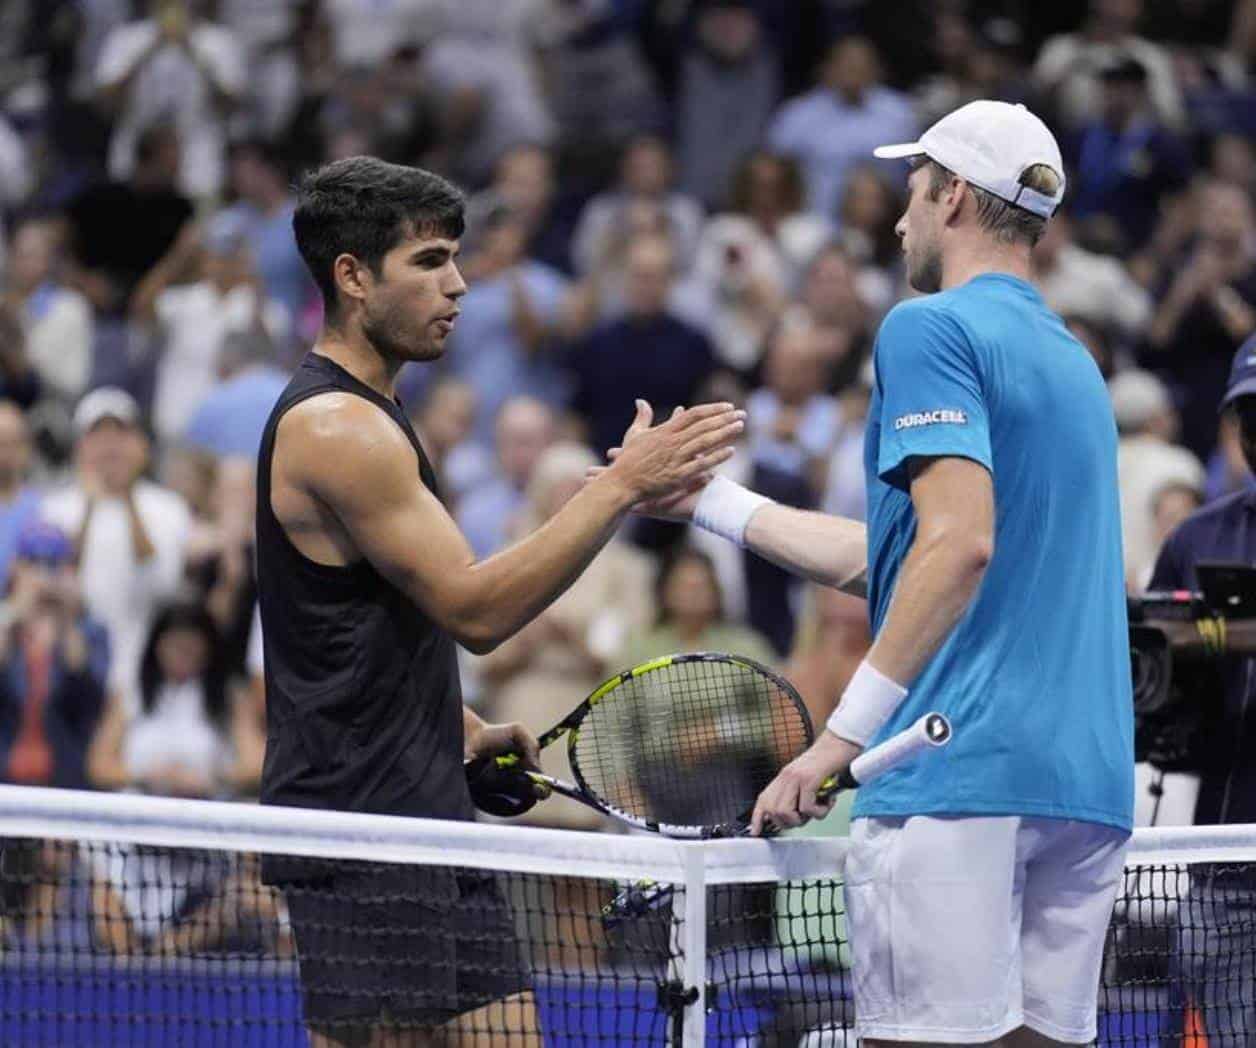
[339,426]
[928,319]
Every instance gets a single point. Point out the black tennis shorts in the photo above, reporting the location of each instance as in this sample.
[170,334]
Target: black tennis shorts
[405,945]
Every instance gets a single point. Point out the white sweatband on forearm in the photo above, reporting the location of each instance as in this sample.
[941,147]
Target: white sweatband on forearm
[724,508]
[869,700]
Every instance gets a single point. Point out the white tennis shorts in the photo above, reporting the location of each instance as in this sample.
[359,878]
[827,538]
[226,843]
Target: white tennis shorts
[964,928]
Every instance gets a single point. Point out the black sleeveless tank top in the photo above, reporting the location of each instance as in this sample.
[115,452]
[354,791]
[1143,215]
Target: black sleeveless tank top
[363,701]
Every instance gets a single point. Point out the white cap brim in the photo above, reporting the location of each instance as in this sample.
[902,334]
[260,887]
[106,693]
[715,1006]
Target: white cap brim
[901,150]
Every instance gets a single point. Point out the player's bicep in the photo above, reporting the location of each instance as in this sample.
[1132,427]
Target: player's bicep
[953,497]
[933,403]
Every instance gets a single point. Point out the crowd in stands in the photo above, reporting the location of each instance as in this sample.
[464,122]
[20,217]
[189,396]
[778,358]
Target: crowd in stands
[673,201]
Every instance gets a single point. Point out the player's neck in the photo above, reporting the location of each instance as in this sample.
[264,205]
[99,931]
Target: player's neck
[358,357]
[983,256]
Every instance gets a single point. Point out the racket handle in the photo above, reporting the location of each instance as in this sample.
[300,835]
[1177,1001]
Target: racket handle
[931,730]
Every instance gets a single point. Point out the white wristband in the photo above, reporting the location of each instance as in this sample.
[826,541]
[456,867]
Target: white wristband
[725,508]
[868,702]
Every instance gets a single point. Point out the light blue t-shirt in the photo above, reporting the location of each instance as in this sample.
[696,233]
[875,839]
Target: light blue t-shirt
[1036,675]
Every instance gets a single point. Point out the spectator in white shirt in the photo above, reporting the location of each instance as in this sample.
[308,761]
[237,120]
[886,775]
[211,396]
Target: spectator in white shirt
[130,533]
[193,319]
[57,319]
[1147,462]
[172,66]
[1080,283]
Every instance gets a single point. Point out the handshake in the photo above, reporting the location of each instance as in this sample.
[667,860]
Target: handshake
[661,470]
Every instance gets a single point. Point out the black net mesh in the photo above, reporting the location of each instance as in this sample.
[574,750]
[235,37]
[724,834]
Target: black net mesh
[692,743]
[122,944]
[1179,963]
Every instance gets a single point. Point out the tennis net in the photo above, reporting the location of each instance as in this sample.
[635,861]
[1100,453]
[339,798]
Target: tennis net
[150,921]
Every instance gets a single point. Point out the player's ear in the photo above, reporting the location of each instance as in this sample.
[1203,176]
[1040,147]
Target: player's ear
[353,279]
[952,198]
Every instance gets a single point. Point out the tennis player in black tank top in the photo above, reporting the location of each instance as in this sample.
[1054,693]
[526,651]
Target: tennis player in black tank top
[366,586]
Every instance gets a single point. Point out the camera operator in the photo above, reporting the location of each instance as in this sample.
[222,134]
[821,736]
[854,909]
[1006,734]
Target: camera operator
[1219,910]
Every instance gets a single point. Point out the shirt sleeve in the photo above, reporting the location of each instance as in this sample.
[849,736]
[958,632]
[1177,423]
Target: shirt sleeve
[932,399]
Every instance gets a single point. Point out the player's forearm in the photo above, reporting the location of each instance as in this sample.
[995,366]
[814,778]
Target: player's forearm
[832,551]
[939,578]
[506,591]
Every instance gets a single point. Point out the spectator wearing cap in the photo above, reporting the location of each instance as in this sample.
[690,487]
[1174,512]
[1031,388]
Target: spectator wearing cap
[1126,162]
[837,124]
[130,533]
[1220,902]
[1147,462]
[54,661]
[19,501]
[191,320]
[1068,66]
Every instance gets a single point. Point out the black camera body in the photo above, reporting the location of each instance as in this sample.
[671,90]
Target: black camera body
[1176,697]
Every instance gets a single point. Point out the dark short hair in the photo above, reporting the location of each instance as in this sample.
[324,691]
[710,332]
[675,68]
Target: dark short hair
[364,206]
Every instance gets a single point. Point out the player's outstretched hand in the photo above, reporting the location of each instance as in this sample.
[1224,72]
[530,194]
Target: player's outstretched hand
[790,799]
[494,739]
[665,466]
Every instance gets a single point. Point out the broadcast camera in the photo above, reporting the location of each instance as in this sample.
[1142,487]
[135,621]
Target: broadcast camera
[1175,697]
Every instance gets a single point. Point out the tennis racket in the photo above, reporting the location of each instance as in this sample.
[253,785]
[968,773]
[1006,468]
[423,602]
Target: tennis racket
[683,745]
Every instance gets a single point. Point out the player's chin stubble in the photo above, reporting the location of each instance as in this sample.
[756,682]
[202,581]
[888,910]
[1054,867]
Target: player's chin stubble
[924,271]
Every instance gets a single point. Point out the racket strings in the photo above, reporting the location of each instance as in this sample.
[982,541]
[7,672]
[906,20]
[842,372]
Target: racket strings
[691,743]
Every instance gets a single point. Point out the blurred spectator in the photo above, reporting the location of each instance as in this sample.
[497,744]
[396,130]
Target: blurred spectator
[645,187]
[479,71]
[649,354]
[220,562]
[445,420]
[597,85]
[129,532]
[54,661]
[1207,307]
[1171,505]
[172,66]
[729,86]
[191,320]
[845,489]
[1097,341]
[833,297]
[832,638]
[869,211]
[364,32]
[691,615]
[1124,162]
[766,218]
[791,422]
[978,61]
[19,382]
[837,125]
[264,212]
[57,319]
[19,501]
[232,415]
[120,230]
[1147,461]
[503,345]
[1078,283]
[1068,66]
[173,730]
[543,671]
[16,175]
[524,184]
[1232,159]
[489,514]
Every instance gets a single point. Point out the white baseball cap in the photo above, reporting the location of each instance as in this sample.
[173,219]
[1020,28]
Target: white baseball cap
[990,144]
[105,402]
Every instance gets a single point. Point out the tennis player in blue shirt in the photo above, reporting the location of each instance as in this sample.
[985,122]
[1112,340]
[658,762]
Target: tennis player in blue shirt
[980,879]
